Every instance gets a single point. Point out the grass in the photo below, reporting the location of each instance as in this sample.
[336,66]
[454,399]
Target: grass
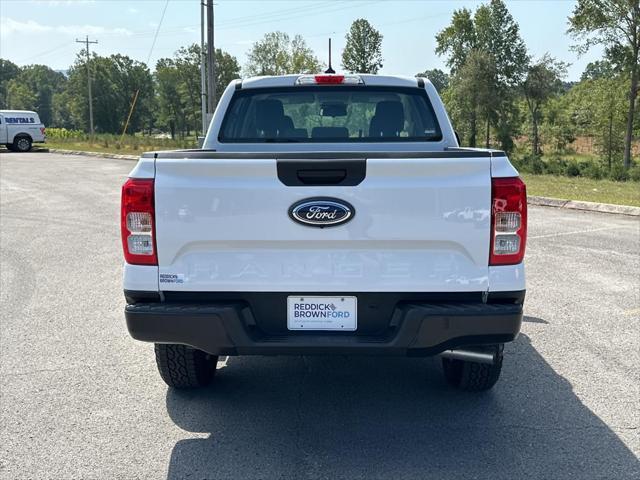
[125,149]
[578,188]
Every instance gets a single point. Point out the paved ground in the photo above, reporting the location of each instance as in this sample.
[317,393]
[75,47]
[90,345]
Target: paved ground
[80,399]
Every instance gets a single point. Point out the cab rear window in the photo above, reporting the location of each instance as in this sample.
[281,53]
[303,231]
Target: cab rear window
[330,114]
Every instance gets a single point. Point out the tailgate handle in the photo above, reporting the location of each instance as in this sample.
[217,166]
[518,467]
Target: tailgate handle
[316,172]
[322,177]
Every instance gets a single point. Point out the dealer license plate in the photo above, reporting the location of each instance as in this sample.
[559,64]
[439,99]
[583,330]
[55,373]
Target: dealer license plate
[322,313]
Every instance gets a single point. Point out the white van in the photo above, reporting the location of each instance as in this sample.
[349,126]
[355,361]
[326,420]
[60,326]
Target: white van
[20,129]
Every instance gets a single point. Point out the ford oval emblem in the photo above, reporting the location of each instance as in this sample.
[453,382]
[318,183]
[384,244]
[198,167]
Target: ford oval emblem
[321,212]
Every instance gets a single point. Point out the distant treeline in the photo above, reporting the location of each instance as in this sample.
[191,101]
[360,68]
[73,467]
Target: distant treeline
[496,93]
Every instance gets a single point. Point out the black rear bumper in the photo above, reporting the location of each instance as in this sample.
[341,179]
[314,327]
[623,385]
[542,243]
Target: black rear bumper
[413,329]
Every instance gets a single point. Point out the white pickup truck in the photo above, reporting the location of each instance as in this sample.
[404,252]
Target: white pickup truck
[326,214]
[20,129]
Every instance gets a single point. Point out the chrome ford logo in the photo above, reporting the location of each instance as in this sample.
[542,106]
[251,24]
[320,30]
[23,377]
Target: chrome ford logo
[321,212]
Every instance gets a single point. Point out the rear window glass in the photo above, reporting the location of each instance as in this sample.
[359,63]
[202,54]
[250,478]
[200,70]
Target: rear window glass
[330,114]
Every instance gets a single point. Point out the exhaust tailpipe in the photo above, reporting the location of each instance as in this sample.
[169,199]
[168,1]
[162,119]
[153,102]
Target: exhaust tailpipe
[470,356]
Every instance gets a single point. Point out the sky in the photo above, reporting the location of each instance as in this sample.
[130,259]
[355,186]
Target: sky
[45,31]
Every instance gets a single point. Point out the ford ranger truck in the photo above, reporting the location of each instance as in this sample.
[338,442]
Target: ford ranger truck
[331,215]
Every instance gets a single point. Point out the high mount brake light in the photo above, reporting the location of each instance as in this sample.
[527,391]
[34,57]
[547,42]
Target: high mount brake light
[329,79]
[137,222]
[508,221]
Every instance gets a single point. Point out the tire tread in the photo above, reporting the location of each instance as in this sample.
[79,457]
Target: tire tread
[181,366]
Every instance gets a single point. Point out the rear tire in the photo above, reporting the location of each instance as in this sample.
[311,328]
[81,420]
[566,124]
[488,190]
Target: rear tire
[22,144]
[473,376]
[181,366]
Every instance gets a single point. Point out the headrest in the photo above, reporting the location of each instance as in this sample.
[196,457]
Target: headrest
[286,123]
[388,120]
[391,110]
[269,114]
[298,133]
[330,132]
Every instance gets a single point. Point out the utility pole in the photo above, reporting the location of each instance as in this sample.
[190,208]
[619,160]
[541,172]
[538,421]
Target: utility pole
[203,71]
[86,42]
[211,63]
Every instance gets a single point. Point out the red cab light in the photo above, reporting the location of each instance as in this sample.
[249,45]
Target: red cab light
[137,222]
[508,221]
[331,79]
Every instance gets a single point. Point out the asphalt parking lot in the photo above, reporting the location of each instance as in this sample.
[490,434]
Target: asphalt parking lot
[80,399]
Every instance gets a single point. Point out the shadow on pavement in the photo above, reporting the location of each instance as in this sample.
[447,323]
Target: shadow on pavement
[530,319]
[359,417]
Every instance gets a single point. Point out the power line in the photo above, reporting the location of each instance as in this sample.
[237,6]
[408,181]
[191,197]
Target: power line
[137,92]
[155,37]
[46,52]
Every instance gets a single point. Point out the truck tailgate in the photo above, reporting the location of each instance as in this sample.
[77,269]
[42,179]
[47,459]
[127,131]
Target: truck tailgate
[420,225]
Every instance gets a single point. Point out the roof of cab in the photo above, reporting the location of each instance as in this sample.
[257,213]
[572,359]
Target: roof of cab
[18,112]
[368,79]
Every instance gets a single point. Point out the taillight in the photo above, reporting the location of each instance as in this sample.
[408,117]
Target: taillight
[508,221]
[43,130]
[137,222]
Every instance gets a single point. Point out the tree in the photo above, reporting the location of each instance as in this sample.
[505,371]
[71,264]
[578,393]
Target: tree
[598,69]
[33,89]
[543,81]
[474,88]
[457,40]
[115,80]
[363,50]
[178,87]
[171,105]
[436,76]
[8,71]
[277,54]
[227,70]
[491,31]
[615,24]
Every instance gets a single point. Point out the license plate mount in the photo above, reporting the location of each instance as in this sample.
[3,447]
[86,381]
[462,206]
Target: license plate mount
[320,313]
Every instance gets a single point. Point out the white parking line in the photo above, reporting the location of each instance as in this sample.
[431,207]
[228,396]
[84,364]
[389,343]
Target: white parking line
[576,232]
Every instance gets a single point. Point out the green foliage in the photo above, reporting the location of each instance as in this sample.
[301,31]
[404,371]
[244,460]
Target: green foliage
[65,134]
[487,46]
[8,71]
[558,128]
[457,40]
[598,69]
[598,109]
[475,95]
[277,54]
[178,88]
[363,50]
[543,81]
[115,80]
[33,88]
[436,76]
[614,24]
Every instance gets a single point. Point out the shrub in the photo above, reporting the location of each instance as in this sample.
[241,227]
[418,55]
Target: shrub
[619,173]
[634,173]
[556,166]
[572,169]
[592,170]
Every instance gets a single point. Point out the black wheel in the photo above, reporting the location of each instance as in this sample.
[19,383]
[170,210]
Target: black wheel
[473,376]
[181,366]
[22,144]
